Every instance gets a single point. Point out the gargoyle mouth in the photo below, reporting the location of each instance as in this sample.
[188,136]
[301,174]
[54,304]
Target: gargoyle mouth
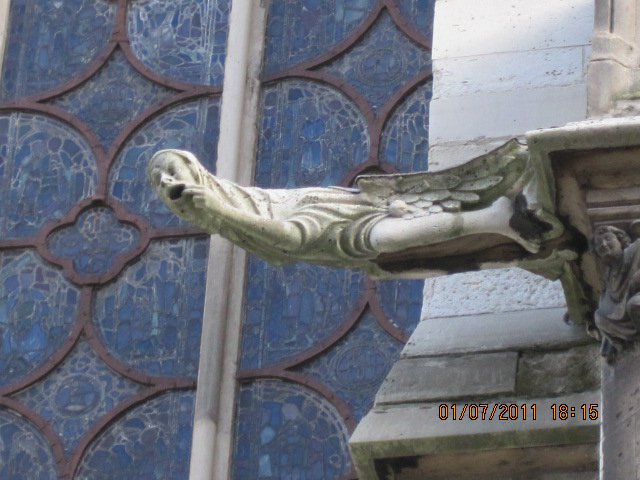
[175,191]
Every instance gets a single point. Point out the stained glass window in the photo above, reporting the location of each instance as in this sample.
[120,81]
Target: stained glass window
[112,97]
[151,440]
[38,308]
[150,316]
[381,62]
[94,242]
[24,450]
[184,40]
[298,31]
[101,287]
[43,54]
[346,90]
[287,431]
[77,393]
[296,120]
[47,168]
[305,306]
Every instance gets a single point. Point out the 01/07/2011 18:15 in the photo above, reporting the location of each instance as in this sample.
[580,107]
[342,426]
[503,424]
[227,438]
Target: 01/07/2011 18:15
[514,411]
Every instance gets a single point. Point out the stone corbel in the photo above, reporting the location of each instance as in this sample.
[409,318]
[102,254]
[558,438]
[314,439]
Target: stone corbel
[596,169]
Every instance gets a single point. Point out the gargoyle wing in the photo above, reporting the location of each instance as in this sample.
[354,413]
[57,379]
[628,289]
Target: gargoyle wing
[501,172]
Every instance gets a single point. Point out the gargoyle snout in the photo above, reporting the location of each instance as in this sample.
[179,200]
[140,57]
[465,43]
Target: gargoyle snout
[166,179]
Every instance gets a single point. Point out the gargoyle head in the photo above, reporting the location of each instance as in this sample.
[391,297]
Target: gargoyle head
[171,172]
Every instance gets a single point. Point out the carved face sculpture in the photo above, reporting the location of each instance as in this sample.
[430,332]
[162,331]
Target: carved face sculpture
[170,172]
[607,245]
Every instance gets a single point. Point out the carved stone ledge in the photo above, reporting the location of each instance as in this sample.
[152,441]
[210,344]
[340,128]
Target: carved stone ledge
[596,171]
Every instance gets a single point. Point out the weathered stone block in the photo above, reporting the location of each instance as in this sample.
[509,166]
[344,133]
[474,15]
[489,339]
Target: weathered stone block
[423,379]
[447,155]
[559,372]
[538,463]
[416,430]
[466,28]
[497,114]
[489,291]
[525,330]
[509,71]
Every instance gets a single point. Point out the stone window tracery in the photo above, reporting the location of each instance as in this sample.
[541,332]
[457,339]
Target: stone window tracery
[101,287]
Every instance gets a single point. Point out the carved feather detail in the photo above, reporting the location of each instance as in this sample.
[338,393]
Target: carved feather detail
[466,187]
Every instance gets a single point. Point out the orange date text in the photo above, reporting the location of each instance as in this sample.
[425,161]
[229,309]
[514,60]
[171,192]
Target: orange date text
[487,411]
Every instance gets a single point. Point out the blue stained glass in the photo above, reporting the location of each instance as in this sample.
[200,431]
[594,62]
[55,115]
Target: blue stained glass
[46,168]
[182,39]
[310,135]
[381,62]
[291,308]
[24,451]
[286,431]
[299,30]
[419,13]
[94,242]
[38,308]
[77,393]
[51,41]
[112,98]
[401,301]
[150,442]
[405,139]
[355,367]
[190,126]
[151,316]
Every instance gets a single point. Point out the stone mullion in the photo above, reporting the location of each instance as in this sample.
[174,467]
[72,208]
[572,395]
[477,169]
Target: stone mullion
[215,396]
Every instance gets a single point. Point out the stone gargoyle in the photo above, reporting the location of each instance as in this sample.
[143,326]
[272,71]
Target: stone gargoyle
[385,225]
